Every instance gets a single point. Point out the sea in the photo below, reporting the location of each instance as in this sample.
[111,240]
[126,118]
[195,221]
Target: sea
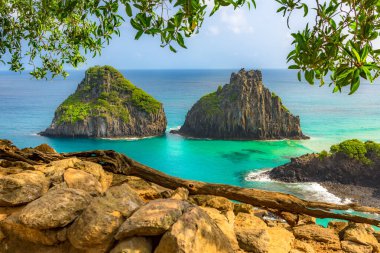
[27,107]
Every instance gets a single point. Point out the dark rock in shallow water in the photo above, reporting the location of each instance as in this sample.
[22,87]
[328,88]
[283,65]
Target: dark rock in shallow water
[350,171]
[105,104]
[241,110]
[337,168]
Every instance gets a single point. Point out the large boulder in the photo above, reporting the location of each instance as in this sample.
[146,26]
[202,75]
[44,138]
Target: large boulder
[353,247]
[302,247]
[194,231]
[242,110]
[13,228]
[146,190]
[105,104]
[55,169]
[224,224]
[248,221]
[318,234]
[97,225]
[22,188]
[154,218]
[361,234]
[79,179]
[55,209]
[45,148]
[104,178]
[220,203]
[269,240]
[134,245]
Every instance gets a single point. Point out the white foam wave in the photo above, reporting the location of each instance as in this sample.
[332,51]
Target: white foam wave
[317,192]
[312,191]
[129,138]
[258,176]
[175,128]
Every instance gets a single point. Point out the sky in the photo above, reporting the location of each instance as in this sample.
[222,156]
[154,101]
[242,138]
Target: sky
[230,39]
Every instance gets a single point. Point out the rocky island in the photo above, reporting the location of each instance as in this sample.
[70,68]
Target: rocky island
[107,105]
[102,201]
[350,170]
[242,110]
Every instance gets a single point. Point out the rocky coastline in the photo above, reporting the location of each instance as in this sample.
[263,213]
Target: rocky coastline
[351,171]
[244,109]
[106,105]
[55,203]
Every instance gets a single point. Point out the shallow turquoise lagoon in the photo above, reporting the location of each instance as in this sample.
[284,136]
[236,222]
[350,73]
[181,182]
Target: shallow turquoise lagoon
[27,107]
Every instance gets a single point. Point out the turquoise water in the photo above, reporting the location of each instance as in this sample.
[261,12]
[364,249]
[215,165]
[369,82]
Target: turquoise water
[27,107]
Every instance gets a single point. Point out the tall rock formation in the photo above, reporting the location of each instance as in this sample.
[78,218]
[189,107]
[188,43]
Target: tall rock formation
[106,104]
[241,110]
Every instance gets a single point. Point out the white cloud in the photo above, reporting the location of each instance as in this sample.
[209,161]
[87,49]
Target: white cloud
[236,21]
[214,30]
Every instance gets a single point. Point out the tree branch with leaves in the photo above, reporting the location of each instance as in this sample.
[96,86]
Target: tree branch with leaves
[49,34]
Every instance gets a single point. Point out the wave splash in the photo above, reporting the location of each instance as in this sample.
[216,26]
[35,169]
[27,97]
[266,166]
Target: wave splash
[311,191]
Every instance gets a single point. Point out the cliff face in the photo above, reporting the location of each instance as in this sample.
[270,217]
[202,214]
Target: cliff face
[243,109]
[105,104]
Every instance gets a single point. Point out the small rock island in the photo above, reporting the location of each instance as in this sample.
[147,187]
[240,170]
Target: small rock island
[106,105]
[242,110]
[350,170]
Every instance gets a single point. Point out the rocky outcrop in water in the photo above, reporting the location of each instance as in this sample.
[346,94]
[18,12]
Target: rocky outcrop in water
[350,170]
[105,104]
[129,214]
[350,162]
[241,110]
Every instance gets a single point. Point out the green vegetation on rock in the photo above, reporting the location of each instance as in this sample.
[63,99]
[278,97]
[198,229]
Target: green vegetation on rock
[355,149]
[105,93]
[274,95]
[211,103]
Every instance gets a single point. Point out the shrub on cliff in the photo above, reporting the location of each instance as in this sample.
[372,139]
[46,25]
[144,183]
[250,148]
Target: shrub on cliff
[356,149]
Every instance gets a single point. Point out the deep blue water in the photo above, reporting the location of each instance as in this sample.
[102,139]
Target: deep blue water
[27,107]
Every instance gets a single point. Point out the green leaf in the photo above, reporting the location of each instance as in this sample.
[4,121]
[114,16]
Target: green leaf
[305,10]
[309,76]
[172,49]
[128,9]
[364,53]
[138,35]
[336,89]
[293,67]
[355,83]
[180,40]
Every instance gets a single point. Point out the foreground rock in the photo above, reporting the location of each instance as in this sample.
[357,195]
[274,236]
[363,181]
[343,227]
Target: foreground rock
[57,208]
[350,170]
[96,227]
[241,110]
[155,218]
[105,104]
[85,208]
[21,188]
[194,232]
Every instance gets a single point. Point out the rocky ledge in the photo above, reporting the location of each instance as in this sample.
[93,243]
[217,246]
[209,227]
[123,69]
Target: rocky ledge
[74,205]
[241,110]
[107,105]
[350,170]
